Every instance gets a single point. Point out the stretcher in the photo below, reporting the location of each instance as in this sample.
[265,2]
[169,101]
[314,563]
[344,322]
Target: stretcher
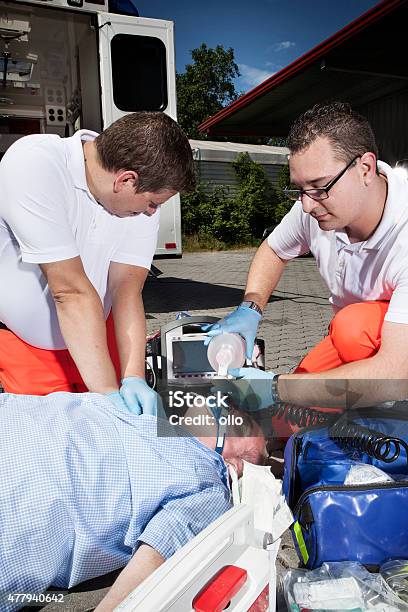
[228,565]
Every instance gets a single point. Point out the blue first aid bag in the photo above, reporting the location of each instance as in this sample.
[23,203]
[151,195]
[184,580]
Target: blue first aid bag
[367,523]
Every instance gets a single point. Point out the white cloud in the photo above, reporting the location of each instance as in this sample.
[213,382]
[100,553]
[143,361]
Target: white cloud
[274,66]
[284,44]
[251,76]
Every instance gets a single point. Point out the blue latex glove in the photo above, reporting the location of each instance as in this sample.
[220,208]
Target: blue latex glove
[251,374]
[255,386]
[137,396]
[243,321]
[116,399]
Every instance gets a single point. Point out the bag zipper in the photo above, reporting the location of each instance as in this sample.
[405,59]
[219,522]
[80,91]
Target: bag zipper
[362,487]
[297,511]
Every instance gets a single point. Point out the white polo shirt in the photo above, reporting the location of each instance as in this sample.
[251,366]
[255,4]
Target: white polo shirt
[376,269]
[47,214]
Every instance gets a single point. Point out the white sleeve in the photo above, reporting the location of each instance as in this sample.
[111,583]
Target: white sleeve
[398,308]
[290,238]
[139,243]
[34,189]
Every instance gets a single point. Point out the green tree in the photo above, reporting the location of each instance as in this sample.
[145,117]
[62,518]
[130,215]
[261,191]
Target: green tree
[276,141]
[256,198]
[205,87]
[212,213]
[283,204]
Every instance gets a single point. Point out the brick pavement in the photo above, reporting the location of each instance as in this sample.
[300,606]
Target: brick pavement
[295,319]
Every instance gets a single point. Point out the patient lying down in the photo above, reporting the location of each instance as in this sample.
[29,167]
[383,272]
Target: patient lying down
[87,489]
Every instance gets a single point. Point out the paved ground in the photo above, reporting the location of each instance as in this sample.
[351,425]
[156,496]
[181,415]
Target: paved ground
[212,283]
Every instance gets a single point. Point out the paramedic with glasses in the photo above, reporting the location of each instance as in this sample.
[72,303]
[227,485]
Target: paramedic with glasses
[351,212]
[78,230]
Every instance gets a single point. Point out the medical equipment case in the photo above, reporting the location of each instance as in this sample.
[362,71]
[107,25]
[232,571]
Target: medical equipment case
[363,522]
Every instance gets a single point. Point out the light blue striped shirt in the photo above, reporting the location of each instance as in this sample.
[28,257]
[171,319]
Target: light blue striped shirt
[83,483]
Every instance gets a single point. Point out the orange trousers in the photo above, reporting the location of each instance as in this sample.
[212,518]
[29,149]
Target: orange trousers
[354,334]
[25,369]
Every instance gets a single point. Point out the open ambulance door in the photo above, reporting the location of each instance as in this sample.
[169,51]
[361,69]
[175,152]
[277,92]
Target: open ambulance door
[137,72]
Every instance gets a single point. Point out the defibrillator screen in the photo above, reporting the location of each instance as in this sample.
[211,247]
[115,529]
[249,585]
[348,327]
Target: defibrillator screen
[190,357]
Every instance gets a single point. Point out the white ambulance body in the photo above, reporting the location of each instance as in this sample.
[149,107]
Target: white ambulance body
[71,64]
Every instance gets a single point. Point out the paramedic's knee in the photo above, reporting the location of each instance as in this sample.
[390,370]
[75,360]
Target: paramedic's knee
[356,330]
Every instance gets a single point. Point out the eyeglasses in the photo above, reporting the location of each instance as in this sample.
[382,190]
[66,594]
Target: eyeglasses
[320,193]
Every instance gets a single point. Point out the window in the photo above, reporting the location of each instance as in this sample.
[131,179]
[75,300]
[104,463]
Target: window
[139,73]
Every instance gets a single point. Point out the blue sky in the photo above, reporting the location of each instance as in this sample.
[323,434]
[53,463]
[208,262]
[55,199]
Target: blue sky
[266,35]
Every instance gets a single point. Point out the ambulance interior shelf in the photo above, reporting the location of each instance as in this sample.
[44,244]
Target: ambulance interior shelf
[13,67]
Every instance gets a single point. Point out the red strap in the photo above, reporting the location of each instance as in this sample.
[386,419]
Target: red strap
[219,591]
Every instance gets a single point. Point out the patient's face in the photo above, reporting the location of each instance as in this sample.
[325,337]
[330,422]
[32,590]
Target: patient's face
[249,448]
[241,443]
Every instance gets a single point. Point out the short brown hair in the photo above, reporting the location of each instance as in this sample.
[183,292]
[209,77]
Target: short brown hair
[350,134]
[151,144]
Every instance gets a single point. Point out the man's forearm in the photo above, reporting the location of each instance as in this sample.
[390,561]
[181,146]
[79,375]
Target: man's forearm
[264,274]
[83,328]
[130,331]
[360,383]
[143,563]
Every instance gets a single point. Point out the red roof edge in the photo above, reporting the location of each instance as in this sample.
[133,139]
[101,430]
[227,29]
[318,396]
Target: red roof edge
[366,19]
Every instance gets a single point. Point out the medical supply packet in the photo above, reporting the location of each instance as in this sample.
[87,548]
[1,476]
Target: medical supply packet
[345,586]
[395,574]
[259,489]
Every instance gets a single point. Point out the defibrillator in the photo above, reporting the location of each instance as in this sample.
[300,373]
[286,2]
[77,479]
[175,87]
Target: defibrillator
[178,354]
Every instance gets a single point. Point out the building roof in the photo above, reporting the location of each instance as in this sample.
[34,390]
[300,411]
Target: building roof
[362,62]
[208,150]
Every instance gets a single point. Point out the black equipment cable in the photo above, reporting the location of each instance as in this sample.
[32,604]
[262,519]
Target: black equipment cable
[344,432]
[376,444]
[302,416]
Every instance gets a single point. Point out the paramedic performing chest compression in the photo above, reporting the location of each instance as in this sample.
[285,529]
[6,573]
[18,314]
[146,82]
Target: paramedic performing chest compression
[351,212]
[78,230]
